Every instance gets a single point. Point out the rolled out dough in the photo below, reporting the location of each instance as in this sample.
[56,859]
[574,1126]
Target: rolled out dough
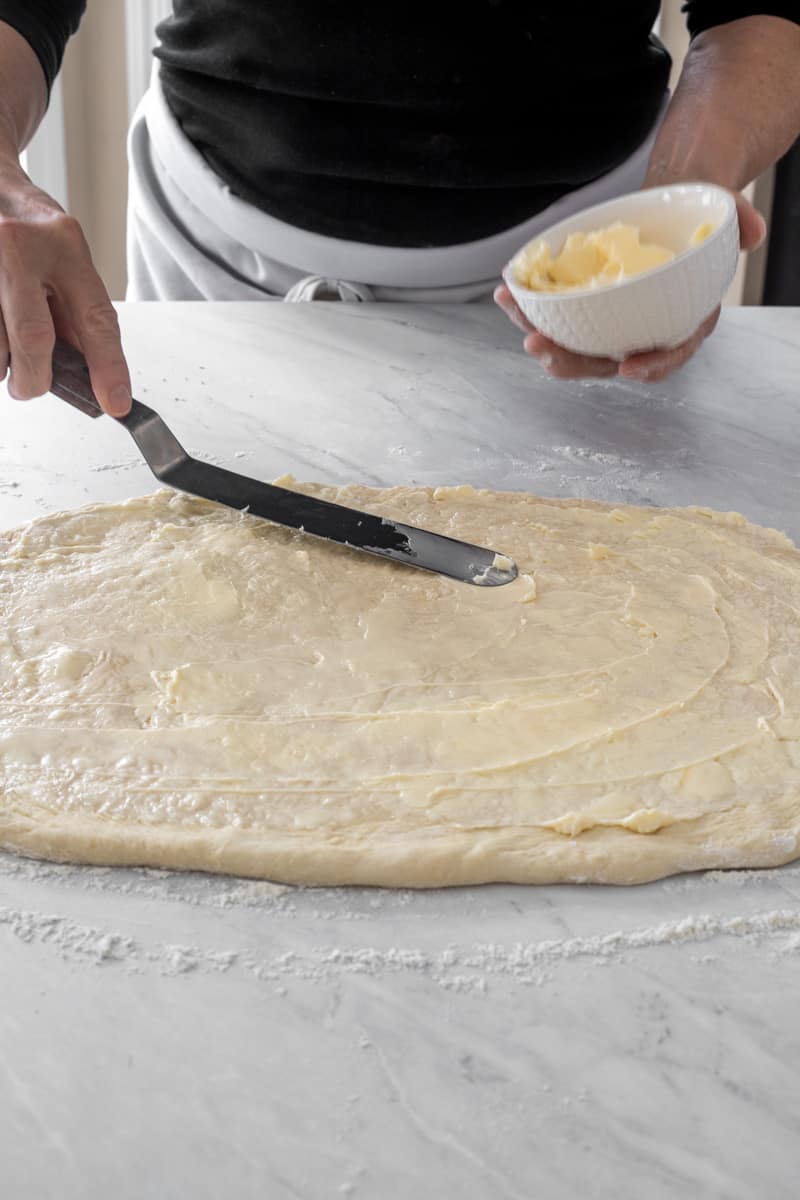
[185,686]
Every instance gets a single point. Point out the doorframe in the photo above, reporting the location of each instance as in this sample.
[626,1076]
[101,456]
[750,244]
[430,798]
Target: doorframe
[141,18]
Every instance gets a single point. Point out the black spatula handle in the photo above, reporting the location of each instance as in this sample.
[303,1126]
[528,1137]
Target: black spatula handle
[71,379]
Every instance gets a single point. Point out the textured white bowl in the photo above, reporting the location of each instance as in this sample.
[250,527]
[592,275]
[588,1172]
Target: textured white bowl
[660,308]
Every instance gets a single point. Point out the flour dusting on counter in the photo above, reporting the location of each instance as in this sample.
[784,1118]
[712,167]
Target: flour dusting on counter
[456,967]
[153,884]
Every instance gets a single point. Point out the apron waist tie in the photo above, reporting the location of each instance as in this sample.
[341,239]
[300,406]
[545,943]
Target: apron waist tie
[318,287]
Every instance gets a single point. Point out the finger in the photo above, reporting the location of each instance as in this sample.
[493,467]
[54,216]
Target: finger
[752,226]
[503,299]
[62,322]
[655,365]
[563,364]
[31,337]
[3,349]
[558,362]
[661,364]
[94,320]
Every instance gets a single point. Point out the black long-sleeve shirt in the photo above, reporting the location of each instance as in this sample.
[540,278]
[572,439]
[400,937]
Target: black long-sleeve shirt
[419,123]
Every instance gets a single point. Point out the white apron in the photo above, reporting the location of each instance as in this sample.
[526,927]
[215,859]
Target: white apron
[191,238]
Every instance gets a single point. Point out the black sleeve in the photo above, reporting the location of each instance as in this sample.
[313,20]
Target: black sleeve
[702,14]
[47,25]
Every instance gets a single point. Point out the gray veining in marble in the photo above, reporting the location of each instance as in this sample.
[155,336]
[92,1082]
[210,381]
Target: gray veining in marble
[183,1036]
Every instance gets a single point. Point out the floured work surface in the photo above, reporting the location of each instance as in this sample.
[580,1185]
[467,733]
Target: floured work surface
[185,686]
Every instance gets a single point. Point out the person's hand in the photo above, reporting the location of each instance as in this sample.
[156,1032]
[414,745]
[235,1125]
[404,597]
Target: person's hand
[650,366]
[49,287]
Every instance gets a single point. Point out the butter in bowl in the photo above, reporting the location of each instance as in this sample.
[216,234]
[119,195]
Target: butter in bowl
[637,273]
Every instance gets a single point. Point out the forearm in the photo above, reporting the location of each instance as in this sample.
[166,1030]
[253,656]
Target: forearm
[736,109]
[23,92]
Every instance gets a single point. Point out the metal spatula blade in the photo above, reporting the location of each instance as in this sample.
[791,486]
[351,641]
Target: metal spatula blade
[362,531]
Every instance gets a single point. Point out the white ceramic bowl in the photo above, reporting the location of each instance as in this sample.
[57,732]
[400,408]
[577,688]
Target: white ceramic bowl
[659,308]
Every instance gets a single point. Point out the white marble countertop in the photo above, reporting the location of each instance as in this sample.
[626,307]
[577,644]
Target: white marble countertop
[179,1036]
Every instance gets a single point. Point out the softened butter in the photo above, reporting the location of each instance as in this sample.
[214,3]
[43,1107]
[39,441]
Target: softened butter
[591,260]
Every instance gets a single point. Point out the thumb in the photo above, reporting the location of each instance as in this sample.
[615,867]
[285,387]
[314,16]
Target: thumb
[752,226]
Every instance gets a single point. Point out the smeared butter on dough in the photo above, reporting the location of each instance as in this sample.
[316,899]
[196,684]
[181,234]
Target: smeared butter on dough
[185,686]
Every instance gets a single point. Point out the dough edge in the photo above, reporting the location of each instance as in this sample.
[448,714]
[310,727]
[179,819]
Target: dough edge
[528,855]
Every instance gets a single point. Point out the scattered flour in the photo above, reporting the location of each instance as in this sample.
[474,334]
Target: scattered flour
[600,457]
[455,966]
[787,876]
[86,944]
[458,968]
[129,464]
[216,891]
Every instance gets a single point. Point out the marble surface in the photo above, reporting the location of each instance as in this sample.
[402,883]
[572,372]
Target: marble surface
[178,1035]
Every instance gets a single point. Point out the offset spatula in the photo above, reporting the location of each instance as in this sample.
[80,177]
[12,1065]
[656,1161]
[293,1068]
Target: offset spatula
[170,463]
